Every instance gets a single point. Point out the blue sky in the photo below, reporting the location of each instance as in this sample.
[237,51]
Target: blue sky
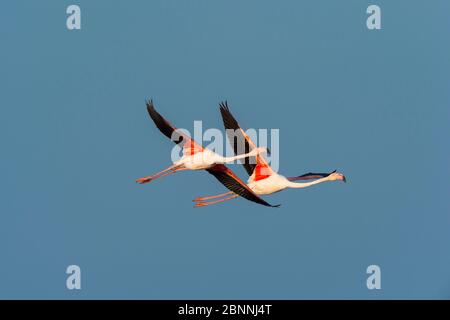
[75,135]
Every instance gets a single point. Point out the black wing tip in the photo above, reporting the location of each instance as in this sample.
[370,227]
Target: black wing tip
[310,175]
[224,106]
[149,103]
[265,203]
[228,119]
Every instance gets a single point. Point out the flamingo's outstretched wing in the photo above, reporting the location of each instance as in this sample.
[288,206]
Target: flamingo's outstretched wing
[310,176]
[233,183]
[189,145]
[239,140]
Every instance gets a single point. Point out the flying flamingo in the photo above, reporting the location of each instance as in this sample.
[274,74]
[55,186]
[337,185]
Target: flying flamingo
[263,180]
[195,157]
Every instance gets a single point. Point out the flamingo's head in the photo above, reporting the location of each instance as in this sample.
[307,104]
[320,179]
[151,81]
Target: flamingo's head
[337,176]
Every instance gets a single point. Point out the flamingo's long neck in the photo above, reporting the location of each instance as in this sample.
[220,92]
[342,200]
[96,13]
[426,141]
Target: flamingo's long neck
[291,184]
[241,156]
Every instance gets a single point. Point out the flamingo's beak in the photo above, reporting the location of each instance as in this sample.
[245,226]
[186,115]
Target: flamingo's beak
[344,179]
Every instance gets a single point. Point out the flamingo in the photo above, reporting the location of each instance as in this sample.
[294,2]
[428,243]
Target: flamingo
[195,157]
[263,180]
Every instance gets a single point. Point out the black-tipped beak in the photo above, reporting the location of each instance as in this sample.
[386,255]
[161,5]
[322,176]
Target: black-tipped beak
[344,179]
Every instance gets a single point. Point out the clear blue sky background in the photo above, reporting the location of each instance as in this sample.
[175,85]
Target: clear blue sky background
[75,135]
